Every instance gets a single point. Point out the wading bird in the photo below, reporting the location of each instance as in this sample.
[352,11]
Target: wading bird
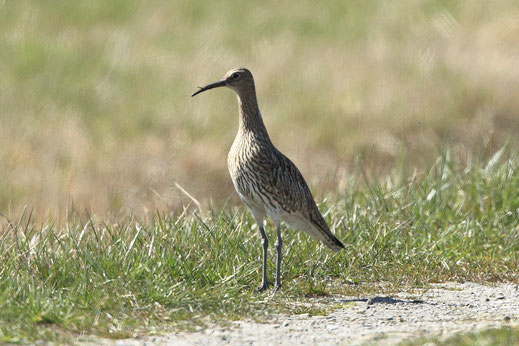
[265,179]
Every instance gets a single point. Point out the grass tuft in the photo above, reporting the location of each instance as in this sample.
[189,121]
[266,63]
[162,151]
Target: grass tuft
[495,336]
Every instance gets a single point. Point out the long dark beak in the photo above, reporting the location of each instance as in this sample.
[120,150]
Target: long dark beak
[218,84]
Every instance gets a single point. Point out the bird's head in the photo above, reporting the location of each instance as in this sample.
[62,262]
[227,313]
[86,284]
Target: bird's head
[239,79]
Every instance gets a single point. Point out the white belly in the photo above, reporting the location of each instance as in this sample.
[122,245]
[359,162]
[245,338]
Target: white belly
[259,205]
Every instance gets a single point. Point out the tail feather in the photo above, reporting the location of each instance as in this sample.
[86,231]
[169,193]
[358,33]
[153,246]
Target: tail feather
[329,239]
[297,221]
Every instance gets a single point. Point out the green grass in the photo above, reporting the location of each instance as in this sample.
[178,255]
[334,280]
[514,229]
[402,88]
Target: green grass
[129,277]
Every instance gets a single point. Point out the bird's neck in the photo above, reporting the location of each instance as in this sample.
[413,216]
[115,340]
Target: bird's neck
[250,116]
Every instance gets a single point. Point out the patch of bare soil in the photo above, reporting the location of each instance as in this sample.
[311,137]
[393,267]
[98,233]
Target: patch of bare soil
[442,311]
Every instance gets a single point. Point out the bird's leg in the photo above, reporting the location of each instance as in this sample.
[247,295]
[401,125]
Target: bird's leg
[265,243]
[279,244]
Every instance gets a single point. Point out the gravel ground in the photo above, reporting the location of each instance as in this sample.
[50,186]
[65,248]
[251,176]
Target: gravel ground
[442,311]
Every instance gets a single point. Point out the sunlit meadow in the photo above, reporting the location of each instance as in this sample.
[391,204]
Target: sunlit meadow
[96,115]
[117,215]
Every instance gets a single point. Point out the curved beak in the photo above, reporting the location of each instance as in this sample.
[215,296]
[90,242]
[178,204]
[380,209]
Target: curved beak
[218,84]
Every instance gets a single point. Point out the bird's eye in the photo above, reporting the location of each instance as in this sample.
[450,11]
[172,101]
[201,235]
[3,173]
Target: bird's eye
[235,75]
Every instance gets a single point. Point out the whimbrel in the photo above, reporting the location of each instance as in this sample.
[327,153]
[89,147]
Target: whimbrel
[265,179]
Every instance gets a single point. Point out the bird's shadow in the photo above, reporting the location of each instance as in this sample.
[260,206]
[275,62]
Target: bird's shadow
[383,300]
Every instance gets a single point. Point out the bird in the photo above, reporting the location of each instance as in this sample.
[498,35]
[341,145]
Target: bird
[267,181]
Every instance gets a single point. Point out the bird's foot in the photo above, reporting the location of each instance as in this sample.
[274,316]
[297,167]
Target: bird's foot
[264,285]
[278,287]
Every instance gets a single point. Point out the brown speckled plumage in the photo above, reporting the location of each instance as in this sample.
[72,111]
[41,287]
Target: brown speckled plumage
[265,179]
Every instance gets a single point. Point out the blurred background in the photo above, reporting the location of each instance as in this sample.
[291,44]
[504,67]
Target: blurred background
[95,112]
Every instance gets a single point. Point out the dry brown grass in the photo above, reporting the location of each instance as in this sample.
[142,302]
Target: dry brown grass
[96,113]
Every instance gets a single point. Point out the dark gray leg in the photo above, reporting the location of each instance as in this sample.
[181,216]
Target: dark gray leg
[279,244]
[265,243]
